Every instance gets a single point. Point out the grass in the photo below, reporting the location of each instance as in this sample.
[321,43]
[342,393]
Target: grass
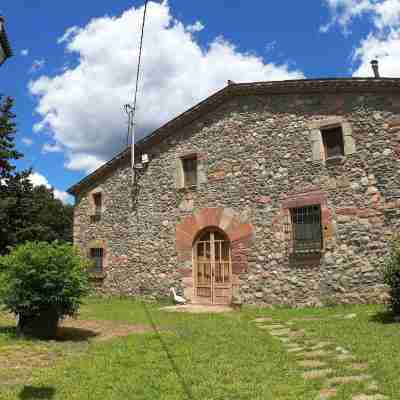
[203,357]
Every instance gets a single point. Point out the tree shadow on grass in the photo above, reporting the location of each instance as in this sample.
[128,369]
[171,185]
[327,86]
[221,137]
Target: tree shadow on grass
[385,317]
[69,334]
[34,393]
[64,334]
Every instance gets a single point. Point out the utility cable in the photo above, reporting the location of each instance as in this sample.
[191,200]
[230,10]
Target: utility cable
[129,109]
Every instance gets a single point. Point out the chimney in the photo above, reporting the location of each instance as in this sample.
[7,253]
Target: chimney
[375,68]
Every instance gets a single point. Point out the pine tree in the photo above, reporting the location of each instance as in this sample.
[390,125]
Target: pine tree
[7,137]
[26,213]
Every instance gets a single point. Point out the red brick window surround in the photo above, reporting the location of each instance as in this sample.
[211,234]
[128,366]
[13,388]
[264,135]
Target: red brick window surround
[307,222]
[306,229]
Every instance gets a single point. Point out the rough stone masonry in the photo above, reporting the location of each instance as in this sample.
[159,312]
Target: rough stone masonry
[260,154]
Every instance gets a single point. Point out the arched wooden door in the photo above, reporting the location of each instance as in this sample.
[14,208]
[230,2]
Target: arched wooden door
[212,268]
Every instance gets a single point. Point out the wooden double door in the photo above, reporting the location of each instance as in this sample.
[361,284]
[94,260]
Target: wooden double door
[213,268]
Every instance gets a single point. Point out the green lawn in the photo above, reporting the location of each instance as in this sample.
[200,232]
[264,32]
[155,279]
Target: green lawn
[195,356]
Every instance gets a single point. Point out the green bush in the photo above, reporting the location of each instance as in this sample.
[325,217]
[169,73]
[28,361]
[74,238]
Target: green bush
[42,283]
[391,275]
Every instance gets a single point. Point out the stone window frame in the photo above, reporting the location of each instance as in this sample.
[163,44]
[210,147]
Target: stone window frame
[201,170]
[98,244]
[316,128]
[96,216]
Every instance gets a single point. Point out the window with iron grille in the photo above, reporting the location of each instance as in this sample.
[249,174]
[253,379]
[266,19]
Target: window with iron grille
[190,171]
[306,229]
[97,257]
[333,142]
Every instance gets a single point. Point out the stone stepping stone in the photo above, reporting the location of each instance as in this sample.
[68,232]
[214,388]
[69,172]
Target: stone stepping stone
[292,345]
[262,327]
[341,350]
[276,326]
[359,366]
[282,332]
[350,316]
[321,345]
[312,364]
[316,354]
[345,357]
[369,397]
[373,387]
[325,394]
[295,349]
[297,334]
[342,380]
[317,373]
[263,319]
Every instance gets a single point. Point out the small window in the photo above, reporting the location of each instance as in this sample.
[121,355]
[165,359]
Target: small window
[97,256]
[333,142]
[190,171]
[97,203]
[306,229]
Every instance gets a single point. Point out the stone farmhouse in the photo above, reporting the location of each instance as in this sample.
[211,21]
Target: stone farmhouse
[264,193]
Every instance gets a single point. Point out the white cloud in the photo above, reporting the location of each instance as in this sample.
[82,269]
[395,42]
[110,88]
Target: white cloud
[385,49]
[27,141]
[383,39]
[24,52]
[40,180]
[51,148]
[196,27]
[82,106]
[384,13]
[37,65]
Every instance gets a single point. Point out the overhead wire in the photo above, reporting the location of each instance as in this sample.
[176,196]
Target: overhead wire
[129,109]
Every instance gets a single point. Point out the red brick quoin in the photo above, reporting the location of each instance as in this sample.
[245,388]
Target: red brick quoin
[240,235]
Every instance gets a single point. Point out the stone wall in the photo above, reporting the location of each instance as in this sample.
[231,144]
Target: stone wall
[259,156]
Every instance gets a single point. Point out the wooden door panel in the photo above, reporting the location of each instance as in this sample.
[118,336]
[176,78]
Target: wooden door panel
[213,269]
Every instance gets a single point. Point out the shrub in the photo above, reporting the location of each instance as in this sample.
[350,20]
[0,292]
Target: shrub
[42,283]
[391,275]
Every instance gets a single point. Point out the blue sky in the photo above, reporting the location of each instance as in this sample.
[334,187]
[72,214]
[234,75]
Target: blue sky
[75,63]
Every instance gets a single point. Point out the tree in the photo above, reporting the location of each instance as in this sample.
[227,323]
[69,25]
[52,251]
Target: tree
[49,218]
[7,137]
[27,213]
[43,283]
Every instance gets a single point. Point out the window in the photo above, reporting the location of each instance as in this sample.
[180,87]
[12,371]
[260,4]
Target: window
[97,256]
[98,204]
[190,171]
[333,142]
[306,229]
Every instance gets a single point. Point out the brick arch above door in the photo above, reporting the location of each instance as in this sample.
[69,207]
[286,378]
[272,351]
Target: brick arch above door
[239,234]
